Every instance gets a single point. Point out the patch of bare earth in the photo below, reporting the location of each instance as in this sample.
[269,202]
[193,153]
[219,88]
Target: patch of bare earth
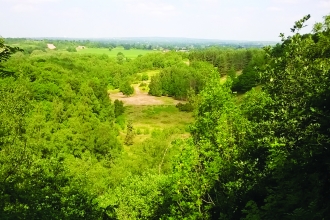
[142,98]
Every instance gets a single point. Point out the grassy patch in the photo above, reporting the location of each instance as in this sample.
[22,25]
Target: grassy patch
[139,76]
[159,110]
[168,100]
[150,73]
[132,53]
[147,119]
[156,127]
[224,78]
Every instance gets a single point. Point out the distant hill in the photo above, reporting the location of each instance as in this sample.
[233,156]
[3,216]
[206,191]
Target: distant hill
[168,40]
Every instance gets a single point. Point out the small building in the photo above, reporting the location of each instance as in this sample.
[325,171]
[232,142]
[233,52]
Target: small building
[81,47]
[51,46]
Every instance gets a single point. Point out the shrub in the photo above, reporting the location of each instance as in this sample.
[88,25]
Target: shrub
[146,131]
[130,134]
[71,49]
[145,77]
[185,107]
[126,88]
[119,108]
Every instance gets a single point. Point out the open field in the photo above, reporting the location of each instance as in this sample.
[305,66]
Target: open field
[132,53]
[150,114]
[155,128]
[158,117]
[155,120]
[141,98]
[149,119]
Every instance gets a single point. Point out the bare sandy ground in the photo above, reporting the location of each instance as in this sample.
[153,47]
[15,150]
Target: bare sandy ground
[142,98]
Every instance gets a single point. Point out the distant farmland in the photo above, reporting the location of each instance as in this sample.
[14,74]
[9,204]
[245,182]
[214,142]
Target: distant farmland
[132,53]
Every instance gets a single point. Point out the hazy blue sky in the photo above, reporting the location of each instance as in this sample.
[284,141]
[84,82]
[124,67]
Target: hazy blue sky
[210,19]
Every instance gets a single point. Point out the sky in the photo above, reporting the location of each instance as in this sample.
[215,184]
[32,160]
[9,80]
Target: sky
[250,20]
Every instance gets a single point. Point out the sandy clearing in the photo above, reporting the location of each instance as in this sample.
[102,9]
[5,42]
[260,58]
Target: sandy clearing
[142,98]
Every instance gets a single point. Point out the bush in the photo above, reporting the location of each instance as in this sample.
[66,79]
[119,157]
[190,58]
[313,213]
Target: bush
[130,134]
[121,122]
[146,131]
[119,108]
[155,86]
[245,82]
[126,88]
[145,77]
[185,107]
[71,49]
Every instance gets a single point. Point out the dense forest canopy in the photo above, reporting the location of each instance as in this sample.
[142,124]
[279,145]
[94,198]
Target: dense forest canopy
[258,147]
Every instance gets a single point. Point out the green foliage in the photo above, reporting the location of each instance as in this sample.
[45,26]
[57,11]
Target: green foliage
[263,156]
[224,58]
[187,107]
[176,81]
[126,88]
[120,58]
[297,83]
[71,49]
[34,182]
[129,139]
[119,108]
[155,86]
[5,52]
[127,46]
[52,110]
[266,156]
[232,73]
[120,120]
[139,197]
[142,84]
[250,76]
[144,77]
[43,189]
[208,160]
[59,138]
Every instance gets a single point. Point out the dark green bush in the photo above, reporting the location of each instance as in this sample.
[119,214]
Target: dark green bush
[119,108]
[185,107]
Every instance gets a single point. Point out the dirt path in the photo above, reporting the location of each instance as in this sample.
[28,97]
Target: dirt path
[142,98]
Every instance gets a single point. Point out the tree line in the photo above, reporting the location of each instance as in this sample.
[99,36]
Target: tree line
[181,81]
